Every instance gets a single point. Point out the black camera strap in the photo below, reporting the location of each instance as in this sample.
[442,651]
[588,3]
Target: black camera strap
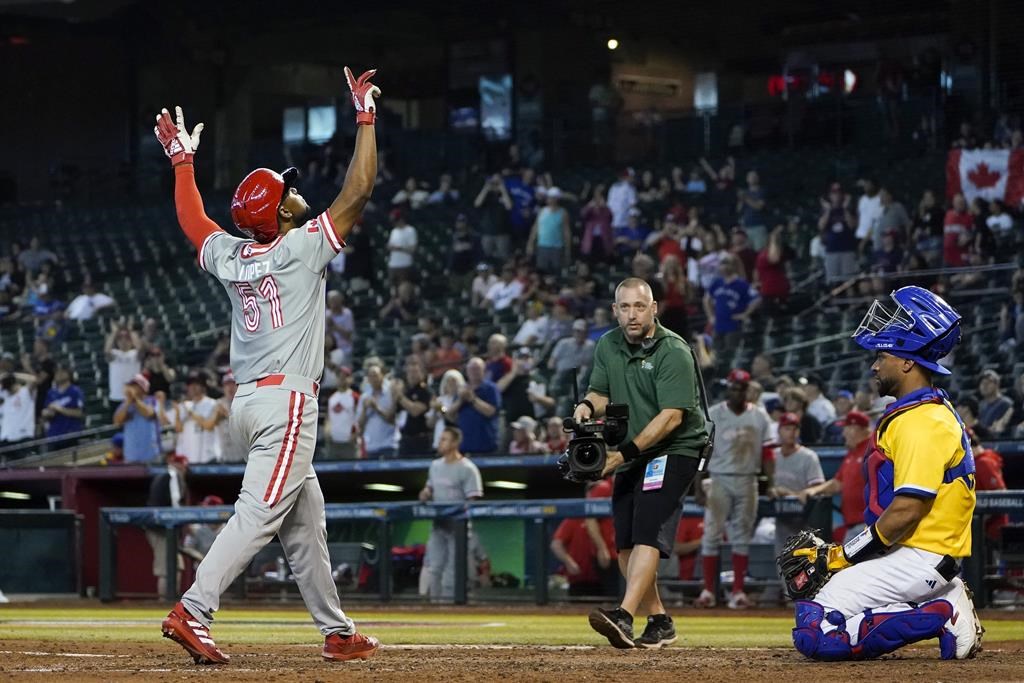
[709,447]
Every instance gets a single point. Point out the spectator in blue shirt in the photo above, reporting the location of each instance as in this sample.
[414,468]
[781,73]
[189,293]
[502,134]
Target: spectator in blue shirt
[728,302]
[49,314]
[521,191]
[629,239]
[138,418]
[750,206]
[994,409]
[477,407]
[602,323]
[64,406]
[838,230]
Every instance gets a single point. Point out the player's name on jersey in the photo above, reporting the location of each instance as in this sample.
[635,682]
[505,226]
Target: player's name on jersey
[253,270]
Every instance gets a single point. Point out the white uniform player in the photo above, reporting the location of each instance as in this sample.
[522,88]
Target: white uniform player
[796,468]
[276,284]
[741,428]
[452,478]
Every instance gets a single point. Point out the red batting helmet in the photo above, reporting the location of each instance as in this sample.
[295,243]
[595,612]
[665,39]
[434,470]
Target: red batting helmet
[254,206]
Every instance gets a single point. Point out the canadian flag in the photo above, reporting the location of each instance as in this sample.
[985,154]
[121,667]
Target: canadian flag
[986,173]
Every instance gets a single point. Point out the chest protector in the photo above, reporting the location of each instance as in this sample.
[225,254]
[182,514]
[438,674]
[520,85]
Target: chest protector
[878,467]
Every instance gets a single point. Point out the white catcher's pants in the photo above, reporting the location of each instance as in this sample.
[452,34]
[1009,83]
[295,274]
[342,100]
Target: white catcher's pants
[885,584]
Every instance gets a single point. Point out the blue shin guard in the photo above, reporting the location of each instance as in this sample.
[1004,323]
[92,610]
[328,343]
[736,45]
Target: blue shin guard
[883,633]
[812,642]
[878,634]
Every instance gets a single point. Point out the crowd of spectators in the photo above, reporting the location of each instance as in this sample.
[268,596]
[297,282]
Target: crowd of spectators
[716,242]
[711,239]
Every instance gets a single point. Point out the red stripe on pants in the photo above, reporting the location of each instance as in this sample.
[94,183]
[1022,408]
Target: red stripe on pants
[294,447]
[286,449]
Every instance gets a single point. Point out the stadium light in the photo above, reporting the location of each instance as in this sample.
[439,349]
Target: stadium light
[510,485]
[14,495]
[612,43]
[387,488]
[849,81]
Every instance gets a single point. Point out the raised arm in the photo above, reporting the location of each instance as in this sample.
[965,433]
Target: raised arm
[180,148]
[362,170]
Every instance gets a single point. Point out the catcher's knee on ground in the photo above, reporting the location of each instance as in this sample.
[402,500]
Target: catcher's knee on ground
[878,633]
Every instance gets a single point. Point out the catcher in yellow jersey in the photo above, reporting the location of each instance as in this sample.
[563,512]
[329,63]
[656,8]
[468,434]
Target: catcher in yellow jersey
[897,582]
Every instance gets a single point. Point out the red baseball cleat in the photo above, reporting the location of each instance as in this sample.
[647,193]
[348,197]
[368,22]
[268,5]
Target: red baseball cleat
[355,646]
[187,631]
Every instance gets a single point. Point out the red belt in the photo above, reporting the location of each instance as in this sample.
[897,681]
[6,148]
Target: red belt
[277,380]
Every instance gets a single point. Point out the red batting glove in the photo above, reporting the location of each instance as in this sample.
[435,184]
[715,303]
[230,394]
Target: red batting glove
[363,93]
[178,145]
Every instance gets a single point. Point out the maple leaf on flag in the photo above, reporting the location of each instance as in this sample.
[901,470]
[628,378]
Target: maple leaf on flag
[982,176]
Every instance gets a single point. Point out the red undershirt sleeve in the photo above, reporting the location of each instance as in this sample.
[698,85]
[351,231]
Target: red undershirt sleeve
[192,217]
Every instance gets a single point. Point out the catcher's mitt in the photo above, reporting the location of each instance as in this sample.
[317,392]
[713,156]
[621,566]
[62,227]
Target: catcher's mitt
[804,573]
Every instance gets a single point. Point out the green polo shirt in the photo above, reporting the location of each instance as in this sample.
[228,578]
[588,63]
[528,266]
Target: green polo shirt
[649,378]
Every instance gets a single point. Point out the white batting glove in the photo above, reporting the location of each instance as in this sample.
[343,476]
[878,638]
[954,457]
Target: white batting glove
[178,145]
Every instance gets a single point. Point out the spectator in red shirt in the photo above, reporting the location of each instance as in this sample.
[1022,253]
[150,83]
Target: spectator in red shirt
[667,240]
[988,476]
[957,232]
[739,246]
[849,480]
[770,272]
[675,297]
[586,548]
[555,437]
[598,243]
[687,546]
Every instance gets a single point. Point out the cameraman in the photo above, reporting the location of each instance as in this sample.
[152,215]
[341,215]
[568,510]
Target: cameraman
[650,369]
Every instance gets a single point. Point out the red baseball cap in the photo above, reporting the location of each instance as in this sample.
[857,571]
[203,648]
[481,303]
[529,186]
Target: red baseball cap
[212,500]
[787,419]
[177,459]
[855,417]
[739,376]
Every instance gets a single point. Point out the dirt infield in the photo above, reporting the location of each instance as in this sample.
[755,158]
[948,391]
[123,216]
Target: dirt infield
[165,661]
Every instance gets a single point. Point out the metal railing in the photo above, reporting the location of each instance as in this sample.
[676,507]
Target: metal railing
[37,452]
[847,285]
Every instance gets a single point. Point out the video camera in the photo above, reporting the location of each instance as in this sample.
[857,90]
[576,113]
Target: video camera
[585,456]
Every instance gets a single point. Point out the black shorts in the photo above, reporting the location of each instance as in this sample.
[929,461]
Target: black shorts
[651,517]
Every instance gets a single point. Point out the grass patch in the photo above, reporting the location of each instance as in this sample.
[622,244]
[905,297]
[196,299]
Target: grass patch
[287,626]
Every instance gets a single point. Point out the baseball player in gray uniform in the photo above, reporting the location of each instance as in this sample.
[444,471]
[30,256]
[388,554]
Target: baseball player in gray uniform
[796,468]
[741,430]
[276,284]
[452,478]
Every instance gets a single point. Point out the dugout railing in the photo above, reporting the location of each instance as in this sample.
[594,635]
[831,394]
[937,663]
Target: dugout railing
[540,514]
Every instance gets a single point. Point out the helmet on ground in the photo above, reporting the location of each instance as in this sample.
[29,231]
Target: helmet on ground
[923,328]
[254,206]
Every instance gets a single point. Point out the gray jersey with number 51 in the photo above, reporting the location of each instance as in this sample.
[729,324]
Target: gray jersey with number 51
[277,297]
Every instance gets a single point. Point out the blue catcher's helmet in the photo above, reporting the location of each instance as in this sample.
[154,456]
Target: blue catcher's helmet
[923,328]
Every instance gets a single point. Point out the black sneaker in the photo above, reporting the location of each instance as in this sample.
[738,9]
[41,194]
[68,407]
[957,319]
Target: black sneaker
[659,632]
[614,624]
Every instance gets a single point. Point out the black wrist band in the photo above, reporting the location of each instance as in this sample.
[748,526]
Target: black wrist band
[864,546]
[629,451]
[588,404]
